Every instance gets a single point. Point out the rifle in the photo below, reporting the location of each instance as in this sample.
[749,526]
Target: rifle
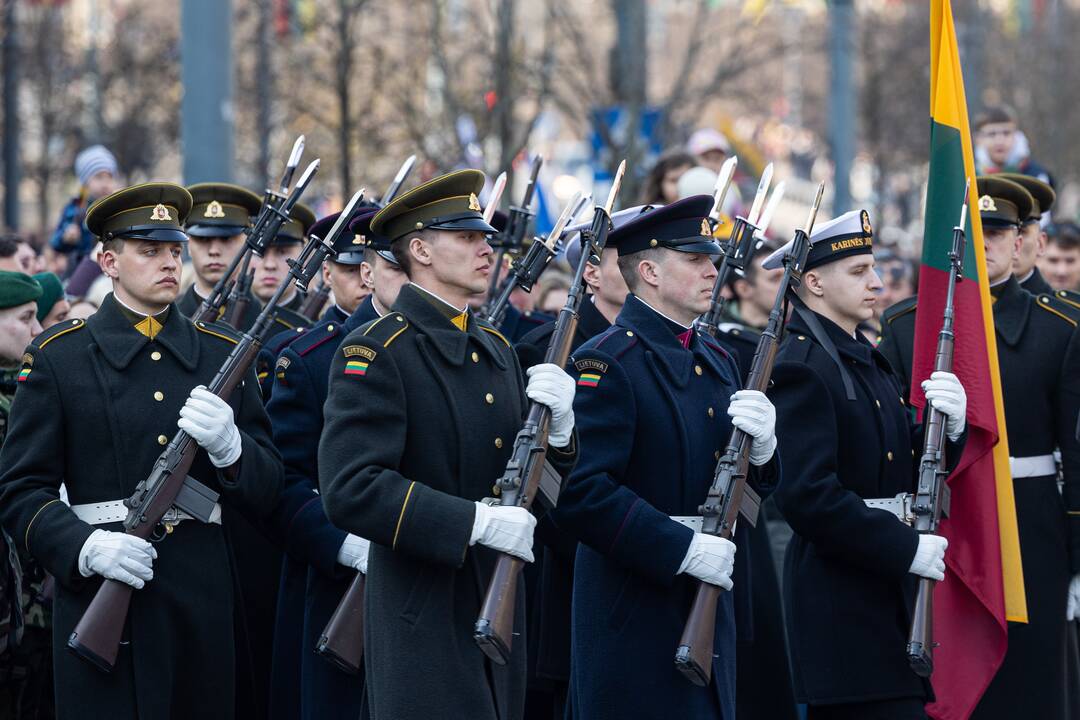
[520,481]
[729,495]
[155,505]
[274,212]
[526,270]
[931,498]
[738,246]
[513,235]
[314,302]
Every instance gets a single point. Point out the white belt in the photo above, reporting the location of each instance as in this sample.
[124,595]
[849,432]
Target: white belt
[694,522]
[900,506]
[117,511]
[1034,466]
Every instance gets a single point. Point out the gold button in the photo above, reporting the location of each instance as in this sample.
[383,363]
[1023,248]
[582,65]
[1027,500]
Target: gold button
[697,369]
[475,357]
[329,328]
[1043,300]
[716,454]
[495,490]
[400,318]
[878,403]
[162,440]
[629,334]
[489,398]
[155,355]
[912,452]
[498,442]
[158,395]
[652,243]
[889,455]
[711,413]
[802,337]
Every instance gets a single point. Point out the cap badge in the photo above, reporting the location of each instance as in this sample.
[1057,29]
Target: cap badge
[986,204]
[865,217]
[214,210]
[161,213]
[705,229]
[474,202]
[359,240]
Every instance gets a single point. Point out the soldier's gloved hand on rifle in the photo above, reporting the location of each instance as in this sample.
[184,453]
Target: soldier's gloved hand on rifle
[118,556]
[209,421]
[1072,607]
[946,393]
[506,529]
[929,559]
[354,553]
[755,415]
[710,559]
[550,385]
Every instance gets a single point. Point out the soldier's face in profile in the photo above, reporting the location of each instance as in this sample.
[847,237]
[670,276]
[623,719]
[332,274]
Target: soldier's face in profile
[460,259]
[1032,245]
[850,288]
[18,325]
[145,273]
[684,282]
[210,256]
[347,283]
[387,279]
[1002,246]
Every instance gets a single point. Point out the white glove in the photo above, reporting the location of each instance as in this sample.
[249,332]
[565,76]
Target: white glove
[929,559]
[1072,606]
[118,556]
[550,385]
[506,529]
[755,415]
[354,553]
[710,559]
[946,394]
[209,421]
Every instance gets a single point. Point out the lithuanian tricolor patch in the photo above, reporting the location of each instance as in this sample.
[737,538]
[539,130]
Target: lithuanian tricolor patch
[589,379]
[356,367]
[23,374]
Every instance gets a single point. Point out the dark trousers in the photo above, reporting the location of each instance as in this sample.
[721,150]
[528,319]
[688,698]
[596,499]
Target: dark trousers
[900,709]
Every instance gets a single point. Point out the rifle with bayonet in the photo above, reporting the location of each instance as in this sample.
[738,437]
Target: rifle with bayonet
[527,269]
[158,501]
[494,629]
[398,181]
[931,499]
[512,237]
[276,207]
[739,244]
[729,495]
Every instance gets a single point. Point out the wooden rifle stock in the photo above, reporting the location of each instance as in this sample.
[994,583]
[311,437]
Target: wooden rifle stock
[313,304]
[494,629]
[729,495]
[931,498]
[342,641]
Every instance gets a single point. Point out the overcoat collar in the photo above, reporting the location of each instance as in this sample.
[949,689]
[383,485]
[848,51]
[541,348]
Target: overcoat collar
[120,342]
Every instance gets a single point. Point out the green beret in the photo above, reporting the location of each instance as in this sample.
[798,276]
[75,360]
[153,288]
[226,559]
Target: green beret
[448,202]
[1003,203]
[16,289]
[220,209]
[51,293]
[151,211]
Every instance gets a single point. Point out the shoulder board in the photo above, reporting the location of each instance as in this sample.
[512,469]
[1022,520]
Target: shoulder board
[901,308]
[1068,297]
[616,341]
[62,328]
[496,333]
[219,330]
[285,339]
[315,337]
[715,346]
[387,328]
[1048,303]
[795,346]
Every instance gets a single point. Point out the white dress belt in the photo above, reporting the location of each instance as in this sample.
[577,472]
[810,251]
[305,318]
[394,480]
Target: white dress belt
[116,511]
[1032,466]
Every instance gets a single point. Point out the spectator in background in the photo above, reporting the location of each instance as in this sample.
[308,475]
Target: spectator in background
[16,254]
[554,289]
[662,184]
[81,309]
[1000,146]
[1060,264]
[52,306]
[709,147]
[97,172]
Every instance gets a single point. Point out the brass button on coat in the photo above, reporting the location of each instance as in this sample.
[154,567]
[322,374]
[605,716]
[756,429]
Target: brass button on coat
[498,442]
[162,440]
[889,455]
[697,369]
[159,396]
[711,413]
[489,398]
[155,355]
[475,357]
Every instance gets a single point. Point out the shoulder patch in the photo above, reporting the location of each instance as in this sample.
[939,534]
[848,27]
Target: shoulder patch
[359,351]
[496,333]
[56,331]
[386,329]
[219,331]
[591,364]
[281,366]
[1046,303]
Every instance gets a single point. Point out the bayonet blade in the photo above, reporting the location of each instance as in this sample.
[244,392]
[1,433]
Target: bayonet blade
[964,207]
[290,166]
[723,184]
[814,210]
[615,185]
[564,219]
[399,180]
[759,197]
[770,207]
[345,217]
[495,196]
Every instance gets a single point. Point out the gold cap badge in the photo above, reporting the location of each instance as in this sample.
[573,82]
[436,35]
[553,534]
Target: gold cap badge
[359,240]
[214,210]
[161,213]
[986,204]
[705,229]
[865,217]
[474,202]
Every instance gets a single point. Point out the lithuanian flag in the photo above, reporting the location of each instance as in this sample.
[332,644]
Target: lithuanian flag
[984,584]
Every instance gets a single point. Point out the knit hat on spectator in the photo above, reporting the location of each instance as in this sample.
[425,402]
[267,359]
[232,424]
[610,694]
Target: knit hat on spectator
[16,289]
[51,293]
[93,160]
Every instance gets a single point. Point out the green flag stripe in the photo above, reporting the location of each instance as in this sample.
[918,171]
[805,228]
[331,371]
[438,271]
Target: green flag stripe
[944,193]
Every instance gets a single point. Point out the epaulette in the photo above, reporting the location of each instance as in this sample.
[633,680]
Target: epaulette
[496,333]
[218,330]
[616,341]
[1068,297]
[1047,302]
[387,328]
[286,340]
[315,337]
[61,328]
[901,308]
